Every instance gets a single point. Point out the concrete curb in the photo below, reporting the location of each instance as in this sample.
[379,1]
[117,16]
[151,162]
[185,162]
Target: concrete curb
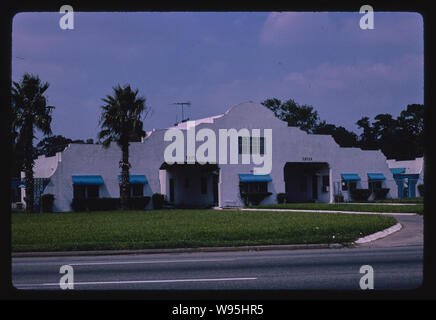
[380,234]
[177,250]
[332,211]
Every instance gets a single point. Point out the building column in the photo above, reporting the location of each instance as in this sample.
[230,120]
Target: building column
[412,187]
[400,184]
[331,198]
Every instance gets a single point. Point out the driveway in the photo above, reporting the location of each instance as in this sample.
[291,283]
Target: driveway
[412,234]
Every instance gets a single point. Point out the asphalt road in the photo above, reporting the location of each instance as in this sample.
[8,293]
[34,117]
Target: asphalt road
[394,268]
[397,261]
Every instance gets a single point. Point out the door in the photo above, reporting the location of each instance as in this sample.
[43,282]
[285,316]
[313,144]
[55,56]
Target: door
[215,189]
[172,190]
[314,187]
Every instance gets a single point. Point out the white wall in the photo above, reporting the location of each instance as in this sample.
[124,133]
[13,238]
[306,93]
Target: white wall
[289,144]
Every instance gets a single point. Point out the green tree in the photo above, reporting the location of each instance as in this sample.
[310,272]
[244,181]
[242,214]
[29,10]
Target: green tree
[411,126]
[30,113]
[50,145]
[296,115]
[368,138]
[342,136]
[121,122]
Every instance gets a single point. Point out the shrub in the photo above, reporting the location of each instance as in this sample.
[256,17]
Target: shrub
[138,203]
[47,202]
[254,198]
[107,204]
[360,194]
[281,197]
[380,194]
[158,200]
[79,204]
[103,204]
[421,190]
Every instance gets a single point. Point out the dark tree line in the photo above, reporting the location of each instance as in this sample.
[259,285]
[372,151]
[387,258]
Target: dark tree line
[400,138]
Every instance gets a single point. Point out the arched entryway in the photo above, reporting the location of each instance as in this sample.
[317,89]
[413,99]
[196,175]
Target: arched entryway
[191,185]
[307,182]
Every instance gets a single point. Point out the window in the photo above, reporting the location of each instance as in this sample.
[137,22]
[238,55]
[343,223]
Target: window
[92,191]
[344,185]
[254,186]
[79,192]
[243,145]
[85,191]
[374,185]
[251,145]
[348,185]
[137,190]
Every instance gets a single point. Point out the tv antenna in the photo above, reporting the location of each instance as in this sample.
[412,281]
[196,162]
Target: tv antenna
[182,104]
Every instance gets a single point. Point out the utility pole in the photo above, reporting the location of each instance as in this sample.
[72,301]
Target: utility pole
[182,104]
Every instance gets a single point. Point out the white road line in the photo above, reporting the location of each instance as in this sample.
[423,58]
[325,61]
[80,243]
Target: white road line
[136,282]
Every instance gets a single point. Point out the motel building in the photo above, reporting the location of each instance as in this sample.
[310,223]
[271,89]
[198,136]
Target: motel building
[197,168]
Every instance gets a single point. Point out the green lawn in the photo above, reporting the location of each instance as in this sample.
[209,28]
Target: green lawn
[185,228]
[403,200]
[379,207]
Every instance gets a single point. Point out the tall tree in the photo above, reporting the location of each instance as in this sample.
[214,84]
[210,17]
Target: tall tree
[368,138]
[121,122]
[31,113]
[342,136]
[411,123]
[296,115]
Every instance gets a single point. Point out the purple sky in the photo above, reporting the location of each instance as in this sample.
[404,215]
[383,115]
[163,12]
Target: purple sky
[216,60]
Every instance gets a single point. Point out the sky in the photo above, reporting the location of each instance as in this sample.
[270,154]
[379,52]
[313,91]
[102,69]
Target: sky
[219,59]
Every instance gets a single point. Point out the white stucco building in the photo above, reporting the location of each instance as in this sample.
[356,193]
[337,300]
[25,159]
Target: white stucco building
[306,167]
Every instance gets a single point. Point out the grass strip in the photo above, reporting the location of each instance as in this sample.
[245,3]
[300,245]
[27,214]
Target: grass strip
[185,228]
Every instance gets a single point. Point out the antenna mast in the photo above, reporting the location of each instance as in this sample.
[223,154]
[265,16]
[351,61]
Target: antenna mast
[182,104]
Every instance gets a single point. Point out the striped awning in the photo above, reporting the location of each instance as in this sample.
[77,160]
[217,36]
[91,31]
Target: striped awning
[376,176]
[136,179]
[87,179]
[254,177]
[350,176]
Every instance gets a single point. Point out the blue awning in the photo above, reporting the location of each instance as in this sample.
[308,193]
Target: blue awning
[376,176]
[21,186]
[397,170]
[136,178]
[88,180]
[254,177]
[350,176]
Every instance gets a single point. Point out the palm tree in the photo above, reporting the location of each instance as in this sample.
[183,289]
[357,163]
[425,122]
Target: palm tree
[121,123]
[30,112]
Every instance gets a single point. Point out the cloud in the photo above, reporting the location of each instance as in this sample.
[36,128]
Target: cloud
[293,27]
[364,75]
[366,88]
[341,30]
